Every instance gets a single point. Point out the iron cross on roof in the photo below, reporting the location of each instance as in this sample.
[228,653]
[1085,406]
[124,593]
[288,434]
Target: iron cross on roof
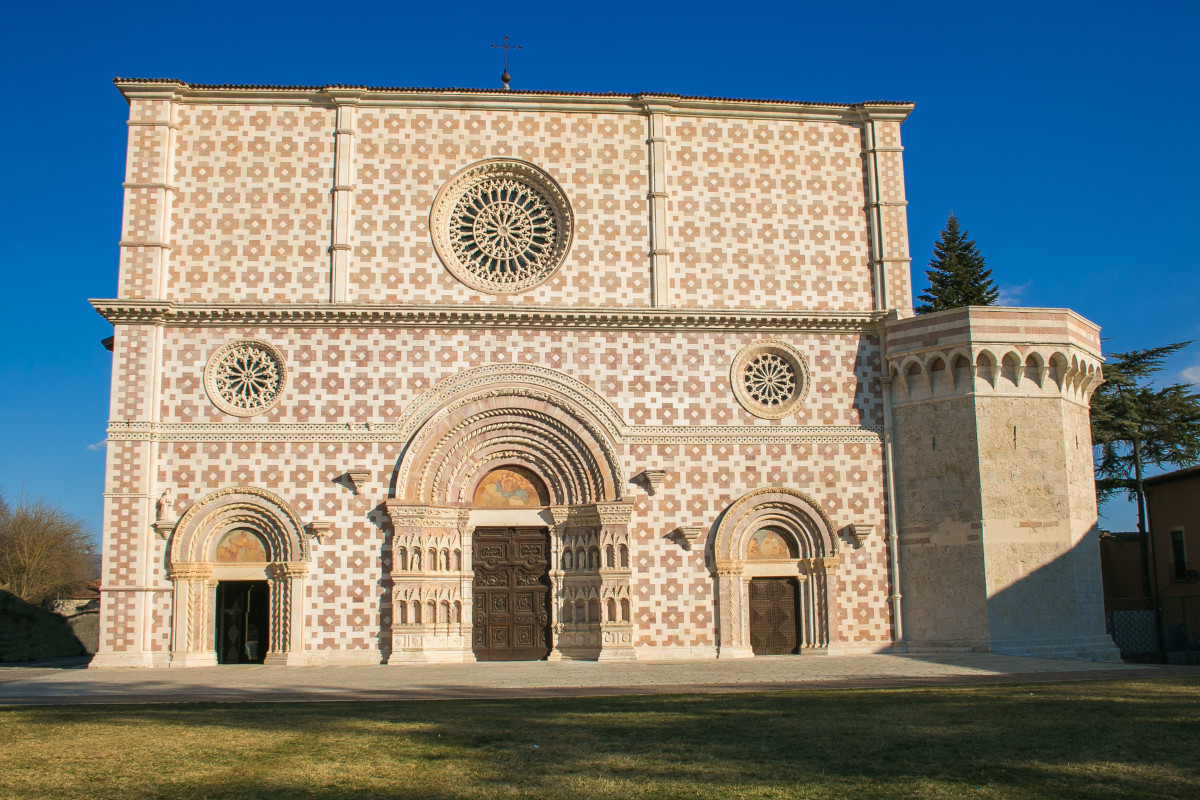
[505,78]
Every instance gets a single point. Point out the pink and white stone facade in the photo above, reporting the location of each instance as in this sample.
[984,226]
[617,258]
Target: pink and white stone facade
[299,218]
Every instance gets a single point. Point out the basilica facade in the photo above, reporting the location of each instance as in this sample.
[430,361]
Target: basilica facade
[410,375]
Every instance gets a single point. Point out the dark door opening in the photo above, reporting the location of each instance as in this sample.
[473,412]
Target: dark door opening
[512,594]
[774,616]
[243,614]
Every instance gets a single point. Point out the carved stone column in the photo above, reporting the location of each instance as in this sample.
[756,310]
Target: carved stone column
[731,632]
[287,613]
[560,515]
[616,635]
[190,647]
[407,571]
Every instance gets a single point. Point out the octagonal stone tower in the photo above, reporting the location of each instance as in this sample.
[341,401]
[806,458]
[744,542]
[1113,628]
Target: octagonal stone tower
[995,502]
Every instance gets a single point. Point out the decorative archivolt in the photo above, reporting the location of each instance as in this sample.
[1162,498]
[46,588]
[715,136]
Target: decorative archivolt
[538,419]
[488,381]
[776,507]
[1027,370]
[233,508]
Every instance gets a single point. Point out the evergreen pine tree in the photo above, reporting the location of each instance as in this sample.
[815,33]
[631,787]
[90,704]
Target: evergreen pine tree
[957,275]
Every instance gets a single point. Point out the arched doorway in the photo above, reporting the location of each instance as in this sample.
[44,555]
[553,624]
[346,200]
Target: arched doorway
[511,568]
[774,555]
[462,437]
[238,561]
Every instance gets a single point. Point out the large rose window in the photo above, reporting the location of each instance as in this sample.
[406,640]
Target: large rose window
[501,226]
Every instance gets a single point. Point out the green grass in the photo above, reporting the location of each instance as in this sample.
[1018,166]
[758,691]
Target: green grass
[1116,739]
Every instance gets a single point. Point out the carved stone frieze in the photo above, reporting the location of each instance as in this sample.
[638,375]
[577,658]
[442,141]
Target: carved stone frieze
[303,314]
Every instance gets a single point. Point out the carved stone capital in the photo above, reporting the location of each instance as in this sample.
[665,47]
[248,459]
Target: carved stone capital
[284,570]
[618,513]
[189,571]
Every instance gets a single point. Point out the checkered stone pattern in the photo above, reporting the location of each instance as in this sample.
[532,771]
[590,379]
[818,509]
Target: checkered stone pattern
[133,357]
[672,590]
[672,587]
[346,604]
[767,214]
[123,553]
[365,375]
[404,156]
[252,217]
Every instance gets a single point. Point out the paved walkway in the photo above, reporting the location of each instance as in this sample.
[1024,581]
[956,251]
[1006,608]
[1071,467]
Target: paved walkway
[68,682]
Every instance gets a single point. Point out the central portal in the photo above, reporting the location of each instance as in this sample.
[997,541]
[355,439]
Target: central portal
[512,594]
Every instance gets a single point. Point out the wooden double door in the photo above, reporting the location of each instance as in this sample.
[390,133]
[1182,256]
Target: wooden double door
[774,616]
[511,620]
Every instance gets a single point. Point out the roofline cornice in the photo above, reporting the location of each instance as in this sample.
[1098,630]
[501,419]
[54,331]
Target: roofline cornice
[417,97]
[152,312]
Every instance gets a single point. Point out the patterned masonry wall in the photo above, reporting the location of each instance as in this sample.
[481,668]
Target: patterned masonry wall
[369,375]
[230,202]
[762,210]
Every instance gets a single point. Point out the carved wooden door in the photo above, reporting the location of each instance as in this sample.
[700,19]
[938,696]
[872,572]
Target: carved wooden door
[774,614]
[512,594]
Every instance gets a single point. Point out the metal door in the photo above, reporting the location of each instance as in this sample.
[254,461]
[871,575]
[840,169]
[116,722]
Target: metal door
[512,594]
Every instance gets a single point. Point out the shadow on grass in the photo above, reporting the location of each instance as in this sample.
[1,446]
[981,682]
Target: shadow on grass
[1120,739]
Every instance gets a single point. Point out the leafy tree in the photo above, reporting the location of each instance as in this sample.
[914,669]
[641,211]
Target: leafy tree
[1135,426]
[43,550]
[957,275]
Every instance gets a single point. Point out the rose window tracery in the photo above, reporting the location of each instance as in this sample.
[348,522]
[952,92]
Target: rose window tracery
[501,226]
[769,378]
[245,377]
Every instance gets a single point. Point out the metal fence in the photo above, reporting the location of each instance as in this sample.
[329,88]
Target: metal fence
[1170,633]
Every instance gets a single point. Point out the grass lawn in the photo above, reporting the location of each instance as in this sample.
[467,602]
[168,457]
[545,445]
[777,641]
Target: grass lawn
[1125,738]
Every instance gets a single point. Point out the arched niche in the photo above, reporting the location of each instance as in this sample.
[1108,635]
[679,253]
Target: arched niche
[240,533]
[775,532]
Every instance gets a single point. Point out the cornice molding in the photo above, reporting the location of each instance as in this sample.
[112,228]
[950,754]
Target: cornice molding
[145,431]
[429,316]
[458,98]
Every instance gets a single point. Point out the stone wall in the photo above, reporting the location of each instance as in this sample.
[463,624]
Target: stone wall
[998,531]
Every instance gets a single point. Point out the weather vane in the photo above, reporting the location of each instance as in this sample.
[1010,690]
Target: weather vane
[505,78]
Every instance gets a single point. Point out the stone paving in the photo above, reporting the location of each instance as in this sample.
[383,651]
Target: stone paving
[69,683]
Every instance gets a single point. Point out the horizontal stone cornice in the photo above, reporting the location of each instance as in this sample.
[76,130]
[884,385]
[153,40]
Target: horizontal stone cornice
[430,316]
[457,98]
[139,430]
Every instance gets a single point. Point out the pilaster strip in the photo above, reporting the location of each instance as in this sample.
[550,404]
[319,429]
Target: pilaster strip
[660,248]
[343,193]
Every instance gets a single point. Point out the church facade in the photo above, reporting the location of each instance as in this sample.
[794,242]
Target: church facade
[407,375]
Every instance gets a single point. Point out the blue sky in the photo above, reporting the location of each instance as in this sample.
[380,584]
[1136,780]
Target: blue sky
[1059,133]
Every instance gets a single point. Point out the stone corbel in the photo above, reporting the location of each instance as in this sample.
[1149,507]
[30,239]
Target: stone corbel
[684,535]
[163,528]
[359,478]
[320,530]
[859,531]
[653,480]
